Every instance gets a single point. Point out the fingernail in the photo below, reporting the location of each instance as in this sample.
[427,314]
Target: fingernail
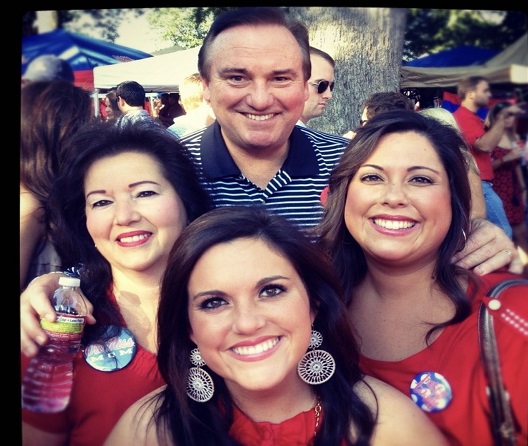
[40,339]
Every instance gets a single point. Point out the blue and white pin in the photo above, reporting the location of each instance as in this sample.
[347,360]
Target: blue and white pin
[431,391]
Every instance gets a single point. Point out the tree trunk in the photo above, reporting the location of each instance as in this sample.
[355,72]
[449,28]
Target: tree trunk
[367,46]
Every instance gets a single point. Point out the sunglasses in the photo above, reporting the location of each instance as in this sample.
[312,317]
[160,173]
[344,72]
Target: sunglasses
[323,85]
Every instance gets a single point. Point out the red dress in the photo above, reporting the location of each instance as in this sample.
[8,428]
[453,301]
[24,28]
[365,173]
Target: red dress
[297,431]
[506,185]
[455,356]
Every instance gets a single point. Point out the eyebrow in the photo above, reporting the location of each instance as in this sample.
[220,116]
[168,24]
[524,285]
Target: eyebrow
[410,169]
[232,70]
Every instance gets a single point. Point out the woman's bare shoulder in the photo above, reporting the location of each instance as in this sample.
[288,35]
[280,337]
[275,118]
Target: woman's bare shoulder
[399,420]
[136,425]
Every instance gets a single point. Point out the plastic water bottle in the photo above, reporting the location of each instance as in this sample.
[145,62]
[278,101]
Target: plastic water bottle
[47,383]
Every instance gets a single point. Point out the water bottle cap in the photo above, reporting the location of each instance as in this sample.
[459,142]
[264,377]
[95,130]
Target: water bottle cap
[70,281]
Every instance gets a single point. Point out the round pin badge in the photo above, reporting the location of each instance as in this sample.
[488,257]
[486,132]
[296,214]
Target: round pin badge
[431,391]
[112,354]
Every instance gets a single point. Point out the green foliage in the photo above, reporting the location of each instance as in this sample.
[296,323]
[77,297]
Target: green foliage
[434,30]
[185,27]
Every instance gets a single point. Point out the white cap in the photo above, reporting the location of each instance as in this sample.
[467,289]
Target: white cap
[70,281]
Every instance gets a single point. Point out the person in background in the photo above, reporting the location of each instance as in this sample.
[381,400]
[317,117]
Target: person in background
[382,101]
[50,113]
[509,182]
[48,67]
[254,154]
[478,205]
[392,226]
[122,199]
[249,308]
[320,85]
[131,101]
[474,93]
[198,113]
[168,108]
[111,106]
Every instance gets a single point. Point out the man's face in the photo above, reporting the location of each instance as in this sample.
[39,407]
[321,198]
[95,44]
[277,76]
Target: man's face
[256,86]
[481,95]
[322,70]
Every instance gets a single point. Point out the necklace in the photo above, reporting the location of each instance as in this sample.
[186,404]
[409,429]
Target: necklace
[317,411]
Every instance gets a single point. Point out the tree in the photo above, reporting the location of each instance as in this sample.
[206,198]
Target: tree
[367,46]
[185,27]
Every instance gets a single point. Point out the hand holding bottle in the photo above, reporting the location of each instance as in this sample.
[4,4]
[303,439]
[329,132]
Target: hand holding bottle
[34,305]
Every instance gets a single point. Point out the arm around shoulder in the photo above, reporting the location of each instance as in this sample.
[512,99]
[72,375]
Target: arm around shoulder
[400,421]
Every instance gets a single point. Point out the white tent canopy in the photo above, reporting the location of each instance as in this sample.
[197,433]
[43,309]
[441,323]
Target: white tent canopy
[163,73]
[508,67]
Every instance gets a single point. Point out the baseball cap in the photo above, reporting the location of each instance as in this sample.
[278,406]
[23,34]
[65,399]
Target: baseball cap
[48,67]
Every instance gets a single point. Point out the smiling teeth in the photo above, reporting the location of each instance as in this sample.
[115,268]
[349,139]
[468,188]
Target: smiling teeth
[254,349]
[260,117]
[134,238]
[391,224]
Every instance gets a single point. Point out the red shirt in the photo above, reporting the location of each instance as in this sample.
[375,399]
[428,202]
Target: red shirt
[98,398]
[455,355]
[472,128]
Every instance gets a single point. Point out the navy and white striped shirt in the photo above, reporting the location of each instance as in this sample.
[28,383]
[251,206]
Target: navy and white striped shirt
[295,190]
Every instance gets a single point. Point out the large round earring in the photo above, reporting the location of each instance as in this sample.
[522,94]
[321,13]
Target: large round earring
[316,366]
[200,385]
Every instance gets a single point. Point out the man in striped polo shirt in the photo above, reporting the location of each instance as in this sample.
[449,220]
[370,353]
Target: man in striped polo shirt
[255,66]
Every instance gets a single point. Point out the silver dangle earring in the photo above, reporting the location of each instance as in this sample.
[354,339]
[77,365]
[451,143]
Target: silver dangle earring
[200,386]
[316,366]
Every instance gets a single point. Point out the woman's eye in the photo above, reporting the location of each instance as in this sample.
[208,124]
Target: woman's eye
[146,193]
[101,203]
[421,180]
[272,290]
[370,177]
[212,303]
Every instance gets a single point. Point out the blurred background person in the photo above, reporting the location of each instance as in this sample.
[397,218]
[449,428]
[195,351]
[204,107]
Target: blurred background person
[168,108]
[48,67]
[478,205]
[50,113]
[320,85]
[111,107]
[131,101]
[474,93]
[379,102]
[198,113]
[509,182]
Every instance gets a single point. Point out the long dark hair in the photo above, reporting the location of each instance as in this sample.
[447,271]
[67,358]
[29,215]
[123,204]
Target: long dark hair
[348,257]
[50,113]
[200,424]
[67,200]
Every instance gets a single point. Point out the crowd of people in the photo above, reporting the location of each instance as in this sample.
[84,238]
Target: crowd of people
[281,285]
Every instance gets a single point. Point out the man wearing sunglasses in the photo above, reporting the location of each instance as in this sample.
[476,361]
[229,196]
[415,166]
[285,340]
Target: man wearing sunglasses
[320,85]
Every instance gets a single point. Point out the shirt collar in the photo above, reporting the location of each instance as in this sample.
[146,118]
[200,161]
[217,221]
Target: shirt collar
[217,161]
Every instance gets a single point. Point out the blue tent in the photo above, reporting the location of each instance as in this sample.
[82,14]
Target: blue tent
[83,53]
[461,56]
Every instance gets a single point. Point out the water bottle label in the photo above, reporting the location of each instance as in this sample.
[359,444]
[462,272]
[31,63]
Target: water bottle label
[64,324]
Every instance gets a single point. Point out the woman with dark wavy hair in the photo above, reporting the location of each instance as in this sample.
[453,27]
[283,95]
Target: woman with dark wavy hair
[396,215]
[126,192]
[256,348]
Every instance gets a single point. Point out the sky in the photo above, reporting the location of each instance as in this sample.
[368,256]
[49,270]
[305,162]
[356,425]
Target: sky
[135,32]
